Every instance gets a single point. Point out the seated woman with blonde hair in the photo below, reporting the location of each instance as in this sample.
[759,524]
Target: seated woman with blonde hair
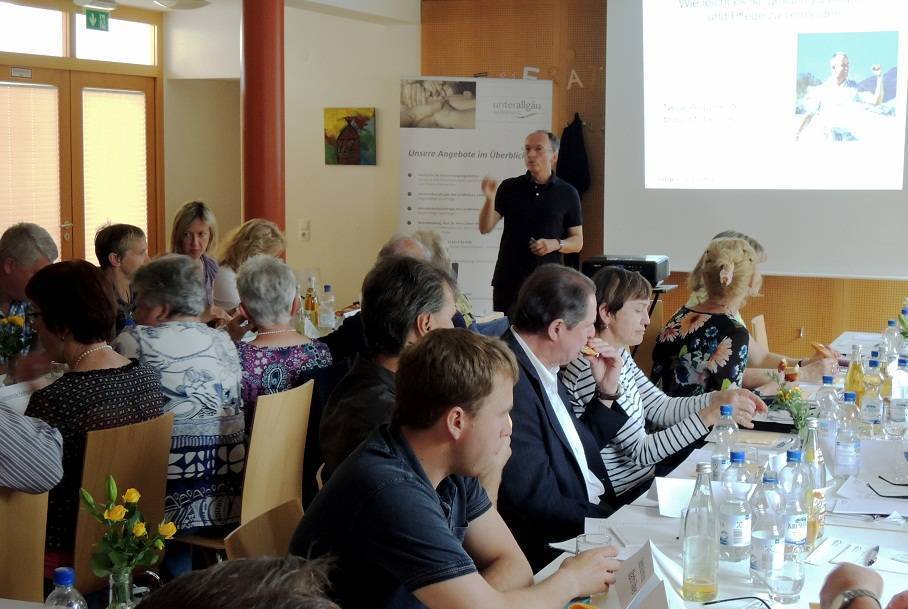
[253,237]
[705,348]
[761,362]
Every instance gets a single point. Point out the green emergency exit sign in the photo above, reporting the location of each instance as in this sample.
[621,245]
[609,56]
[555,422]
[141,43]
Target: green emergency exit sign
[96,20]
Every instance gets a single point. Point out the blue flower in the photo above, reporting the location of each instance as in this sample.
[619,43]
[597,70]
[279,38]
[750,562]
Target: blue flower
[742,352]
[711,331]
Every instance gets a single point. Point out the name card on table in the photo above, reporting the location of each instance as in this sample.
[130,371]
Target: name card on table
[640,584]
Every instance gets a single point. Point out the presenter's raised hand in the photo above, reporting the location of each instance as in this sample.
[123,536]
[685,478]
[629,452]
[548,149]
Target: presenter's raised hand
[489,187]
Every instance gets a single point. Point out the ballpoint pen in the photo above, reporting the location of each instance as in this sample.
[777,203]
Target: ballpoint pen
[872,556]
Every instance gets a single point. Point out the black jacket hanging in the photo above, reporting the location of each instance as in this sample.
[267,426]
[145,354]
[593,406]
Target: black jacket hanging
[573,166]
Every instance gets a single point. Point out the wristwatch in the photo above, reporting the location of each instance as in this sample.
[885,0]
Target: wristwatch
[844,599]
[609,397]
[560,244]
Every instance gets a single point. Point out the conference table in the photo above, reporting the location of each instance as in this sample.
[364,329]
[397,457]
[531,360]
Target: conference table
[634,524]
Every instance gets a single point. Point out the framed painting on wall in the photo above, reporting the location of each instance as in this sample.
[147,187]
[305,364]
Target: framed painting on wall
[350,136]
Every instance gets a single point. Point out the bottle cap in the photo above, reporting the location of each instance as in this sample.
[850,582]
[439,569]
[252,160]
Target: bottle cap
[812,423]
[874,363]
[768,477]
[827,380]
[327,288]
[905,311]
[725,409]
[849,396]
[64,576]
[903,362]
[794,456]
[704,468]
[875,354]
[891,323]
[737,456]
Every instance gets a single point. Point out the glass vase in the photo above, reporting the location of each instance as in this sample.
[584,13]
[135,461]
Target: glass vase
[121,590]
[11,365]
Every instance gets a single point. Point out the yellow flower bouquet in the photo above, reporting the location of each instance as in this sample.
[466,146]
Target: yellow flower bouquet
[127,542]
[791,398]
[12,329]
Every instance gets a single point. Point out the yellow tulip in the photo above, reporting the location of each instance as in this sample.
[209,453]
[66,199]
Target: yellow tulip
[167,530]
[115,514]
[131,496]
[139,530]
[17,320]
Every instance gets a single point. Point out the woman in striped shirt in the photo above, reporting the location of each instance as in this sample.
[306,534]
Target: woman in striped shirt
[622,298]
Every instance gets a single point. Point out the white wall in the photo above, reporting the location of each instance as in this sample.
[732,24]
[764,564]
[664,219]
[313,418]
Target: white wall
[332,61]
[202,148]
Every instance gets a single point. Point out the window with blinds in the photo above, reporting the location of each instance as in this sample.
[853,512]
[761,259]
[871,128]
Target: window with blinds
[30,156]
[114,161]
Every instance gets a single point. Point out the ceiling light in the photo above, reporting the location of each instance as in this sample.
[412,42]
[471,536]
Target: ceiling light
[182,4]
[98,5]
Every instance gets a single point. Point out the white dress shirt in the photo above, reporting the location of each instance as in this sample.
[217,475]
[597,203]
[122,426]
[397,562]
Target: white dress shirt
[549,378]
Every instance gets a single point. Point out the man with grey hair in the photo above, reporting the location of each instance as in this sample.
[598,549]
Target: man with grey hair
[556,478]
[403,299]
[25,249]
[542,218]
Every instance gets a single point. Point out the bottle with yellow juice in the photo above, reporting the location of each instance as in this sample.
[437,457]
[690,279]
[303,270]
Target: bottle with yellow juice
[854,378]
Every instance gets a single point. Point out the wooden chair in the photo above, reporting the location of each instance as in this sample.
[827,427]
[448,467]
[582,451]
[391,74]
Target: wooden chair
[268,534]
[274,465]
[643,355]
[136,456]
[758,330]
[23,523]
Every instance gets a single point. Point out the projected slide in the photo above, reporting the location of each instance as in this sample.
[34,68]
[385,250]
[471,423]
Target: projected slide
[774,94]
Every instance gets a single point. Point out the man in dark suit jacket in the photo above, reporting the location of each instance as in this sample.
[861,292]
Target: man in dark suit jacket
[555,477]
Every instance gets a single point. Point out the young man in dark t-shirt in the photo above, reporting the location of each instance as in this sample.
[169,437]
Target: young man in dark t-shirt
[542,218]
[405,517]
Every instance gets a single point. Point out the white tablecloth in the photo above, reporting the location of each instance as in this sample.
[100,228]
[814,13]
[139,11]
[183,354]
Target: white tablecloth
[641,521]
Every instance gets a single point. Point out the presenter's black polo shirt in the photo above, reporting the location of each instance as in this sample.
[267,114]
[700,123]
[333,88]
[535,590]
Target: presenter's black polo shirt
[531,210]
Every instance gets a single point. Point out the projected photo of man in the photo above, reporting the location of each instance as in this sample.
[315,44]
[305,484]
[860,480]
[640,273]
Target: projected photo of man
[854,99]
[438,104]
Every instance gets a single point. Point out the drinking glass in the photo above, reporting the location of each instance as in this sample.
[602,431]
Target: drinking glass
[894,422]
[591,541]
[785,582]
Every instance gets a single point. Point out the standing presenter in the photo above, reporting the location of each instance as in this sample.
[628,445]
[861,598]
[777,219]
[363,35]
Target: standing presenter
[542,218]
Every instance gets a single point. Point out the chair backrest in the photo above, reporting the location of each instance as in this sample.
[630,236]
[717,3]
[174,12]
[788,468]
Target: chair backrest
[644,353]
[23,522]
[758,330]
[136,456]
[274,465]
[267,534]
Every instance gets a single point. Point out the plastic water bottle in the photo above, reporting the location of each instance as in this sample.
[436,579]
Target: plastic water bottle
[793,475]
[767,546]
[326,309]
[847,440]
[815,489]
[895,422]
[872,404]
[725,434]
[773,495]
[64,595]
[734,512]
[827,415]
[700,541]
[892,340]
[785,583]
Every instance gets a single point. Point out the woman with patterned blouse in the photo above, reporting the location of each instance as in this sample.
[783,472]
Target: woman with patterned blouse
[632,456]
[279,358]
[704,348]
[102,389]
[200,375]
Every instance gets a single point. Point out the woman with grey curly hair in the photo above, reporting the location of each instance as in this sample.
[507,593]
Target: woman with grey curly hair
[200,376]
[280,357]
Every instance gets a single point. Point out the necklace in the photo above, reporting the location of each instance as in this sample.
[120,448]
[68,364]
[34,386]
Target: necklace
[90,351]
[276,332]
